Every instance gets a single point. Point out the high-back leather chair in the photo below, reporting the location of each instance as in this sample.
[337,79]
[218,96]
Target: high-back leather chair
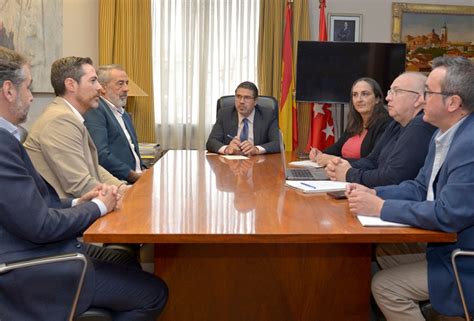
[93,314]
[263,101]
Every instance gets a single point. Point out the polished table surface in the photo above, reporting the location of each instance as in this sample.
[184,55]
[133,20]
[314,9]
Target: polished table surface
[192,197]
[234,243]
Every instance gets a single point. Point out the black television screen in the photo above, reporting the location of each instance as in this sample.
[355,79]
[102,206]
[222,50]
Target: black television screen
[325,70]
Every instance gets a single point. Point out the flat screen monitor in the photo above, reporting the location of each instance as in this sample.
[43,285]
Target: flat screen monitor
[326,70]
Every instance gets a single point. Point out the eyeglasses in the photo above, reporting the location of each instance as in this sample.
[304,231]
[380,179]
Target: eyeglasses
[245,98]
[426,93]
[395,91]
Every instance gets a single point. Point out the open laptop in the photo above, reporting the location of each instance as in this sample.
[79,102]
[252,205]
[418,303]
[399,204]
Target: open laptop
[300,174]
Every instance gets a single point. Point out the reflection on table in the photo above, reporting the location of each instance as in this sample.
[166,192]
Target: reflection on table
[233,243]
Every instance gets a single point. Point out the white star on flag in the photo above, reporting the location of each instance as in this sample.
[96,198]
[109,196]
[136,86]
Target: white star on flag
[317,109]
[329,131]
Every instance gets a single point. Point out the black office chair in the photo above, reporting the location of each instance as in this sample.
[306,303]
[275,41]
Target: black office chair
[93,314]
[263,101]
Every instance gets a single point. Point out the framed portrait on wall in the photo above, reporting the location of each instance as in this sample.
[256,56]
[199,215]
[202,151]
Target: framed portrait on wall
[430,31]
[345,27]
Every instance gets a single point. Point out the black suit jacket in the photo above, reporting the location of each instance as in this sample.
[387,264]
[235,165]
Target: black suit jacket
[265,129]
[34,222]
[374,132]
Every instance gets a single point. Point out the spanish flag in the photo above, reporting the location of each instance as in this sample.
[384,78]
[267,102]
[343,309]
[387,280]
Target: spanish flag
[321,134]
[287,115]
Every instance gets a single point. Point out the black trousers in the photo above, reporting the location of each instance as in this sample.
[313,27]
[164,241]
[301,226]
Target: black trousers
[123,288]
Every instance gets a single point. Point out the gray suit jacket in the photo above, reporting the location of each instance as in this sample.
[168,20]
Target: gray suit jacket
[63,153]
[265,129]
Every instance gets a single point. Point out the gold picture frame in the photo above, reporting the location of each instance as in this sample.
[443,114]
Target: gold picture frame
[429,30]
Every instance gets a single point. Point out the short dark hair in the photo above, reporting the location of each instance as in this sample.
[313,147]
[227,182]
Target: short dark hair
[248,85]
[355,124]
[67,67]
[11,66]
[458,78]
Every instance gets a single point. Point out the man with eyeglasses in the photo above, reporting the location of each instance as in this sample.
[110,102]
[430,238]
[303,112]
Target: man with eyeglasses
[400,152]
[111,127]
[245,128]
[439,198]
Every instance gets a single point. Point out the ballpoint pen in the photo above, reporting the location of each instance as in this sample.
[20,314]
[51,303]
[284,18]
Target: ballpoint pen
[230,136]
[308,185]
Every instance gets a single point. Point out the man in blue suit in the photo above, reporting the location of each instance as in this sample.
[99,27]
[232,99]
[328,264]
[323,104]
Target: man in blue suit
[111,128]
[439,198]
[245,128]
[34,223]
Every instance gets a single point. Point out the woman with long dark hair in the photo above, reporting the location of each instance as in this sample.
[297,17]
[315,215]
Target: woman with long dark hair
[366,122]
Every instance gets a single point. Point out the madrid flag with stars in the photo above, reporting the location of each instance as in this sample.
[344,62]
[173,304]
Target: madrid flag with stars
[321,134]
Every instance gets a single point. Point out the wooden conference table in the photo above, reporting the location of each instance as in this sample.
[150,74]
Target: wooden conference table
[233,243]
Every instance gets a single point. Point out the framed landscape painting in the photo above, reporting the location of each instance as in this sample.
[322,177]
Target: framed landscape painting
[430,31]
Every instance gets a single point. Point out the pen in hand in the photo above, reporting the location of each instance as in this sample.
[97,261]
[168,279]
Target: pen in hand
[230,136]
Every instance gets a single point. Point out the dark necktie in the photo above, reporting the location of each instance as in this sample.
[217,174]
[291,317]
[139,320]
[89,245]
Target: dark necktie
[244,134]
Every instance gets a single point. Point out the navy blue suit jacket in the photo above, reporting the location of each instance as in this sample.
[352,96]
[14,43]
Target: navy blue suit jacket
[451,211]
[112,145]
[265,129]
[34,222]
[397,156]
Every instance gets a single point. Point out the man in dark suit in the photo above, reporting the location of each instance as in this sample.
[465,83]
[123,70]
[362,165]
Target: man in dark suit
[245,128]
[439,198]
[34,222]
[111,128]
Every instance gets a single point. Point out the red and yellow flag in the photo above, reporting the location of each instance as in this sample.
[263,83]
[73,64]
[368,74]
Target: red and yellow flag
[287,115]
[321,134]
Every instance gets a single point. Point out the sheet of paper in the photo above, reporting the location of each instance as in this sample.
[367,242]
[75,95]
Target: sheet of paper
[305,163]
[377,221]
[317,186]
[235,157]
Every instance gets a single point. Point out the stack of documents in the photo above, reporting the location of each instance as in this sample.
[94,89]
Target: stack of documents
[316,186]
[148,149]
[304,163]
[377,221]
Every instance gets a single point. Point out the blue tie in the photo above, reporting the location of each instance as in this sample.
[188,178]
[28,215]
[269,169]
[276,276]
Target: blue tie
[244,134]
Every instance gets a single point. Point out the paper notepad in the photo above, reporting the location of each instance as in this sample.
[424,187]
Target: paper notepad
[304,163]
[234,157]
[316,186]
[377,221]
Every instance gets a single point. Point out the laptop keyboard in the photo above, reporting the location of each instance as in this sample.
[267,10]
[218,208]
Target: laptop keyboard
[301,173]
